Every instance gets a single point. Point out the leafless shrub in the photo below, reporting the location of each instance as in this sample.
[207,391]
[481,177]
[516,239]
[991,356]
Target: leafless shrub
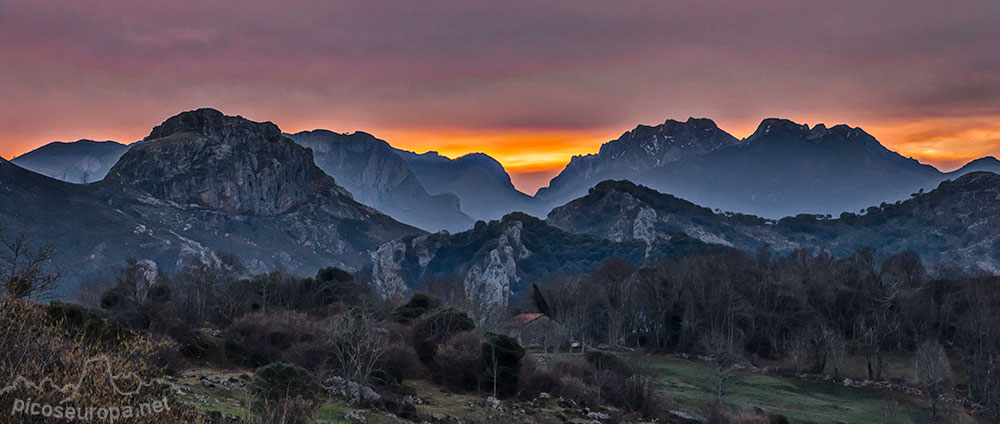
[25,269]
[458,361]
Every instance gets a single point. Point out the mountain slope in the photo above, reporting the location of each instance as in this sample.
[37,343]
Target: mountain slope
[482,184]
[80,162]
[372,171]
[89,237]
[634,154]
[201,184]
[499,259]
[959,222]
[987,164]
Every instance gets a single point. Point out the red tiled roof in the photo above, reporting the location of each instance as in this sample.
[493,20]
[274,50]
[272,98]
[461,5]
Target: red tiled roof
[524,319]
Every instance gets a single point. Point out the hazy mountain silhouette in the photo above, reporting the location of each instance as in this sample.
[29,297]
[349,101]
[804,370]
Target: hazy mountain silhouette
[783,168]
[482,184]
[376,175]
[82,161]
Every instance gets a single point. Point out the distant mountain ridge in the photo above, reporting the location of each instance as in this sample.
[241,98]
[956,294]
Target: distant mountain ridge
[376,175]
[80,162]
[959,221]
[482,183]
[783,168]
[635,153]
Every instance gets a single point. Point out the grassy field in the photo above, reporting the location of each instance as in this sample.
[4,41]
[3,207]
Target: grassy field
[691,384]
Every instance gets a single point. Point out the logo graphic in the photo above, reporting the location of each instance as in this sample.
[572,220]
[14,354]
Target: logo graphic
[65,409]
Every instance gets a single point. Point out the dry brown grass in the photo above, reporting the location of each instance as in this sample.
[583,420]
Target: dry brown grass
[36,351]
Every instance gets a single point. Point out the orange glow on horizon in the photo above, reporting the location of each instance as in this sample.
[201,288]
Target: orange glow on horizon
[533,156]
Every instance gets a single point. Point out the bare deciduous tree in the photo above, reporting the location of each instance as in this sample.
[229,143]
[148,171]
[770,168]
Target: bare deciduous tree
[25,270]
[724,351]
[932,372]
[357,346]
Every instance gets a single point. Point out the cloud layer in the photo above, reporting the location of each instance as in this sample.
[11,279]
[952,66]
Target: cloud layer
[528,82]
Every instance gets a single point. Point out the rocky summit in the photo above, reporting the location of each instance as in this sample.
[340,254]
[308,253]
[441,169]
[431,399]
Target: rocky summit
[201,184]
[635,153]
[224,163]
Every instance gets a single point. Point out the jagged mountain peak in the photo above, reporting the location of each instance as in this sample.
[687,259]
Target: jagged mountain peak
[211,122]
[774,127]
[956,221]
[635,153]
[227,163]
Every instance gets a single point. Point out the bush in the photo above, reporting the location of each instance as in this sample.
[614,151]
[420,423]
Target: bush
[277,382]
[502,364]
[437,327]
[574,389]
[332,286]
[535,379]
[193,342]
[607,361]
[398,363]
[576,368]
[257,339]
[90,324]
[417,306]
[458,362]
[638,394]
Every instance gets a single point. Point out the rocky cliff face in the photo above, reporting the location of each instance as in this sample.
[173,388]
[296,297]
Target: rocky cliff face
[497,260]
[223,163]
[956,222]
[79,162]
[376,175]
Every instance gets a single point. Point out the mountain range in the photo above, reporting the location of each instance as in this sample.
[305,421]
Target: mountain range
[782,169]
[200,184]
[203,183]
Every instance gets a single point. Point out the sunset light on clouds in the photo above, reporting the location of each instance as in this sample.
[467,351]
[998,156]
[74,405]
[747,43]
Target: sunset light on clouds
[528,83]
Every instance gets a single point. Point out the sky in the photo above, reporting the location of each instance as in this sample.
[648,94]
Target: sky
[531,83]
